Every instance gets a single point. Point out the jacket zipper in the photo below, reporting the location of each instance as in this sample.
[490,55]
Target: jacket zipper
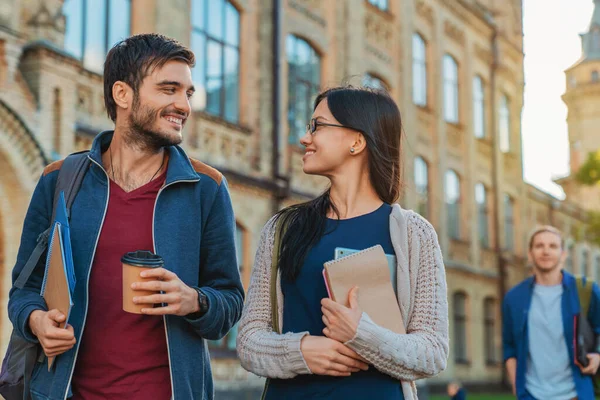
[87,284]
[156,252]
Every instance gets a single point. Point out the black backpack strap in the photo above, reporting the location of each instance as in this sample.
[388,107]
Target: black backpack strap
[69,180]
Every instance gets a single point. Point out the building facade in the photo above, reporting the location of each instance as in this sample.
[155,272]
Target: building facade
[455,68]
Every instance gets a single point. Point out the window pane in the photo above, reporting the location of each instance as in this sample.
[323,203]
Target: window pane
[419,71]
[452,187]
[231,84]
[504,127]
[73,10]
[199,71]
[450,89]
[232,25]
[301,111]
[478,108]
[198,13]
[214,77]
[120,18]
[315,74]
[95,35]
[215,19]
[480,194]
[304,60]
[421,176]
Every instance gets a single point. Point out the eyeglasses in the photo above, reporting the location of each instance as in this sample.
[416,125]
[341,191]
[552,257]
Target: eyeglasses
[312,126]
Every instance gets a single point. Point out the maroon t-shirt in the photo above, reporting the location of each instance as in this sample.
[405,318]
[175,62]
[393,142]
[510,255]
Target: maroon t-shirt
[122,355]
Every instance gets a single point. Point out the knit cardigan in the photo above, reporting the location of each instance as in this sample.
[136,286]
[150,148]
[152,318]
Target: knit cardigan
[420,353]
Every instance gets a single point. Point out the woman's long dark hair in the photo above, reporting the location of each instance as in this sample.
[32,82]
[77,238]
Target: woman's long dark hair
[376,115]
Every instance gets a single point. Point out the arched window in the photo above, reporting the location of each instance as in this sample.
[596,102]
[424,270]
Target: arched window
[304,79]
[478,107]
[452,197]
[422,186]
[419,70]
[460,327]
[450,70]
[482,214]
[216,43]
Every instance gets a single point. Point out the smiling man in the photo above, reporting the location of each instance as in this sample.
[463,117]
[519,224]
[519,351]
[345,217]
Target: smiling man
[141,193]
[538,327]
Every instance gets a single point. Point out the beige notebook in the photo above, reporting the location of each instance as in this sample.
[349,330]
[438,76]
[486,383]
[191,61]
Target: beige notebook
[55,287]
[367,269]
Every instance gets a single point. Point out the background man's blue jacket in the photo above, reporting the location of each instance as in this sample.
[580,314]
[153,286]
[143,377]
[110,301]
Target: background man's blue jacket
[514,328]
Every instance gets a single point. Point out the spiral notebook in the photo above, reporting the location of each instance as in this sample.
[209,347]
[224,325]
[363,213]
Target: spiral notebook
[367,269]
[59,277]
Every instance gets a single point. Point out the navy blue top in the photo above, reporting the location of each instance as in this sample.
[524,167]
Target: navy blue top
[302,312]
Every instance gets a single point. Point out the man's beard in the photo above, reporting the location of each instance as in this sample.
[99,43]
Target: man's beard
[143,133]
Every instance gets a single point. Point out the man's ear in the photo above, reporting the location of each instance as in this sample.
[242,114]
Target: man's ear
[122,94]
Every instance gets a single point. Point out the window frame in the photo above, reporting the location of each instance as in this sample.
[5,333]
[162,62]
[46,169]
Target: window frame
[202,31]
[489,329]
[483,225]
[451,83]
[422,190]
[107,41]
[460,319]
[419,63]
[454,230]
[478,107]
[294,81]
[504,124]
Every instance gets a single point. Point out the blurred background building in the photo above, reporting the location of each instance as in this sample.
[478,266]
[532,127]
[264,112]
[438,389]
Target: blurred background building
[454,67]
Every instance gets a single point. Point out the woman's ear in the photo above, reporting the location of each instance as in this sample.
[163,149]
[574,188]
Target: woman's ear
[359,144]
[122,94]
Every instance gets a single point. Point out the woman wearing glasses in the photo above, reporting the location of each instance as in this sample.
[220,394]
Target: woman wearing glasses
[326,350]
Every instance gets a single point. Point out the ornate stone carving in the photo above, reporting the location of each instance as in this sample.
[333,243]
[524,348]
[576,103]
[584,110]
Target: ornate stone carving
[425,11]
[484,54]
[311,9]
[379,30]
[454,32]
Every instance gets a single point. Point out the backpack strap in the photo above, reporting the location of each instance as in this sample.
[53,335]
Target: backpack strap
[584,292]
[279,231]
[69,180]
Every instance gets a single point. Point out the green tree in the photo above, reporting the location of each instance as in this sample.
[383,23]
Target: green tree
[589,175]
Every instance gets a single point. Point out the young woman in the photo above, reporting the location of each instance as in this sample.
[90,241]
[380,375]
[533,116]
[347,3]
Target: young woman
[326,350]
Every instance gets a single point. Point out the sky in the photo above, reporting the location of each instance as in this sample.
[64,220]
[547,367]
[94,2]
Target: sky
[551,45]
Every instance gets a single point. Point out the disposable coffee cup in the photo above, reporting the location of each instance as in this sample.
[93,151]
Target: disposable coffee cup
[134,263]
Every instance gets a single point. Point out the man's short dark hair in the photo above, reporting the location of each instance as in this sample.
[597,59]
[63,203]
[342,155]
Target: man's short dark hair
[134,58]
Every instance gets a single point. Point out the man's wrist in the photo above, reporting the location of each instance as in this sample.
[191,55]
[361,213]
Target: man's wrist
[33,318]
[196,304]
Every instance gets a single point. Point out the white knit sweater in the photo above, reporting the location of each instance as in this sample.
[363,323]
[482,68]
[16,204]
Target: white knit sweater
[421,352]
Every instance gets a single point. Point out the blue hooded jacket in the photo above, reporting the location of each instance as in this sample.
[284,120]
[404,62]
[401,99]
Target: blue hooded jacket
[194,230]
